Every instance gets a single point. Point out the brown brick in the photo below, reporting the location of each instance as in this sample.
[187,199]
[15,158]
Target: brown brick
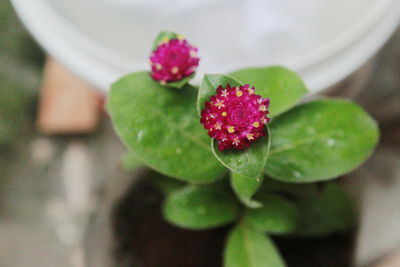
[68,105]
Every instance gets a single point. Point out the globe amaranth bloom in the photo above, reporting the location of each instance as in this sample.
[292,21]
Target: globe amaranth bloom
[235,116]
[173,60]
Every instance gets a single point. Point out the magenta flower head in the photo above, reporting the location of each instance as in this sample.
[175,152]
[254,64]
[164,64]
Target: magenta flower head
[235,116]
[173,60]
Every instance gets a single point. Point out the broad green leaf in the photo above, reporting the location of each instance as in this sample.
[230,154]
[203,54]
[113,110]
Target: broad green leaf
[164,37]
[209,86]
[200,207]
[161,128]
[248,248]
[244,188]
[320,140]
[276,216]
[284,87]
[249,162]
[332,211]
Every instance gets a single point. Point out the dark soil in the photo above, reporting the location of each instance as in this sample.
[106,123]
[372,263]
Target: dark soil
[333,251]
[144,239]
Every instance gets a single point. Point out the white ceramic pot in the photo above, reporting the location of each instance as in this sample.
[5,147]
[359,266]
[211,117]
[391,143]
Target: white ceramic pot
[325,41]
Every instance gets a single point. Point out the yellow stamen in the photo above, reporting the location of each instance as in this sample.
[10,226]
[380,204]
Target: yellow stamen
[250,136]
[256,124]
[251,91]
[218,126]
[263,108]
[231,129]
[219,104]
[224,114]
[158,66]
[180,37]
[175,70]
[165,40]
[239,93]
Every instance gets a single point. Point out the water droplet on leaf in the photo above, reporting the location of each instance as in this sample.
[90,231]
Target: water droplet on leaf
[297,174]
[140,135]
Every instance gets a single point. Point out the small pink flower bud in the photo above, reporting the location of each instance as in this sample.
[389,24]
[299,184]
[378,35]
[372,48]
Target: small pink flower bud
[173,60]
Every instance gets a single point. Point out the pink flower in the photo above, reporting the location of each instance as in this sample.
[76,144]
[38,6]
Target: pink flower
[173,60]
[235,116]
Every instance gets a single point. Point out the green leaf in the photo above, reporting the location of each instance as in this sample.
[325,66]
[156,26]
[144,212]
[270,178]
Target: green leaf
[161,128]
[164,37]
[209,86]
[320,140]
[249,162]
[248,248]
[200,207]
[165,184]
[245,188]
[276,216]
[181,83]
[284,87]
[290,189]
[332,211]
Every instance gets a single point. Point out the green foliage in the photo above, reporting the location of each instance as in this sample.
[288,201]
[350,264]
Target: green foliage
[166,184]
[248,248]
[320,140]
[290,189]
[315,141]
[331,211]
[200,207]
[20,66]
[284,87]
[161,127]
[181,83]
[276,216]
[249,162]
[244,188]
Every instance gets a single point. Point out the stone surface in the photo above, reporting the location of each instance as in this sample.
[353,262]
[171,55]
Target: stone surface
[378,190]
[392,260]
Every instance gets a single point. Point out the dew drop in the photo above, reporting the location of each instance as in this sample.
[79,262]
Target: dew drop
[296,174]
[140,135]
[330,142]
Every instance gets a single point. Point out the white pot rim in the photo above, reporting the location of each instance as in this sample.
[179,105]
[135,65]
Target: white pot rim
[57,36]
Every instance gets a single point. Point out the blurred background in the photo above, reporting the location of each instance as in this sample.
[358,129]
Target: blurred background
[60,162]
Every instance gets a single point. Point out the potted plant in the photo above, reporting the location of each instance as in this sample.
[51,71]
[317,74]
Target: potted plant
[241,150]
